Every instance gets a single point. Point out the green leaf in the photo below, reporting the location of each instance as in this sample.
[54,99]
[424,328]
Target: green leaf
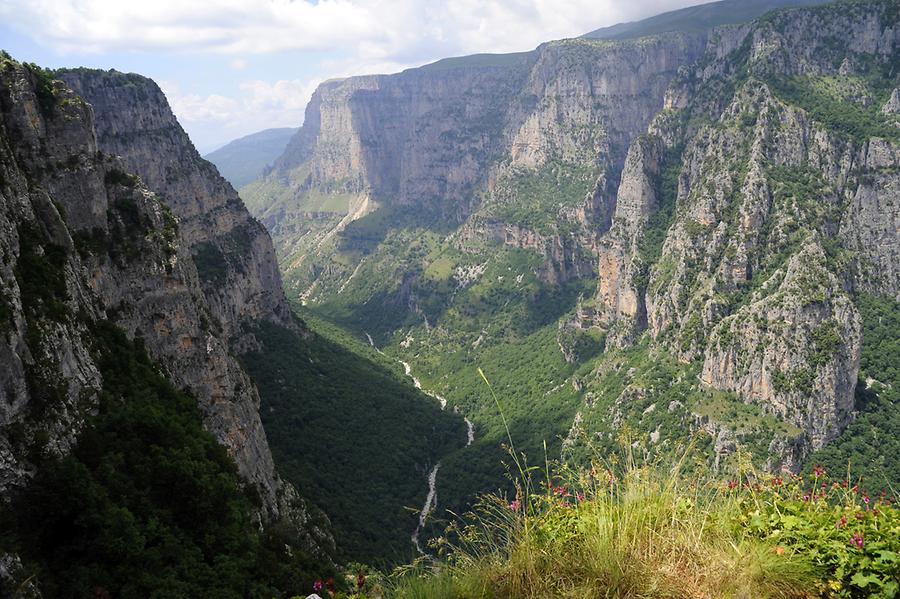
[863,580]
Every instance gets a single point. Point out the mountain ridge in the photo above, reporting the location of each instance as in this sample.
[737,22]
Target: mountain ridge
[242,160]
[565,243]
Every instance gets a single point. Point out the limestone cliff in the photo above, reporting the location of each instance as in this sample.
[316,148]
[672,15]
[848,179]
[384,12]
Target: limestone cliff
[233,251]
[84,240]
[462,139]
[781,160]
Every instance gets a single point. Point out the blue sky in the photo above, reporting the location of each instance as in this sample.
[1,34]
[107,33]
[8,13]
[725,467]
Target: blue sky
[233,67]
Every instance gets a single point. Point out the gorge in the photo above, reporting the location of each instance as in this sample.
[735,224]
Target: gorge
[673,241]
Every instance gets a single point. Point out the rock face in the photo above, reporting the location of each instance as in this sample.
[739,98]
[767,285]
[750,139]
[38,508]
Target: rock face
[620,264]
[84,240]
[233,251]
[731,189]
[455,139]
[749,278]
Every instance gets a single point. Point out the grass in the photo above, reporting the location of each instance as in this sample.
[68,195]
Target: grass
[620,529]
[617,527]
[646,533]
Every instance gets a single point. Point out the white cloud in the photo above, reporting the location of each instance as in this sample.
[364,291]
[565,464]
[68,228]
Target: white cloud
[192,107]
[375,29]
[213,120]
[355,36]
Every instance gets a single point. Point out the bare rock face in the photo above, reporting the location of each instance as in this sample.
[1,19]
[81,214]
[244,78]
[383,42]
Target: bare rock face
[620,264]
[794,349]
[84,240]
[872,220]
[235,255]
[749,279]
[458,139]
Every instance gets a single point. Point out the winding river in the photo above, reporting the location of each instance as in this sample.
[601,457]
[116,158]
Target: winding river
[431,497]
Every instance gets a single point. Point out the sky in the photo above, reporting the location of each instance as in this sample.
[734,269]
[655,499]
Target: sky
[233,67]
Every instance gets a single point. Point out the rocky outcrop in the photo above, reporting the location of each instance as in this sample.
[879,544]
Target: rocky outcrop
[793,350]
[870,223]
[620,265]
[235,255]
[429,140]
[745,280]
[83,241]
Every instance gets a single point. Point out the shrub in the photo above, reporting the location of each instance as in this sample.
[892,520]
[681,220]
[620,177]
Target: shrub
[648,531]
[116,177]
[642,532]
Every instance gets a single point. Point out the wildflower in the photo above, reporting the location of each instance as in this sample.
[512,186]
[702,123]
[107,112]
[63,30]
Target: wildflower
[806,497]
[514,505]
[580,497]
[866,499]
[561,491]
[318,586]
[818,470]
[330,584]
[777,481]
[857,540]
[732,484]
[778,550]
[360,580]
[841,522]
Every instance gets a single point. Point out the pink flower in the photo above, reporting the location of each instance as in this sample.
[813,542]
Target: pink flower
[514,505]
[866,499]
[818,470]
[561,491]
[318,586]
[841,522]
[857,540]
[732,484]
